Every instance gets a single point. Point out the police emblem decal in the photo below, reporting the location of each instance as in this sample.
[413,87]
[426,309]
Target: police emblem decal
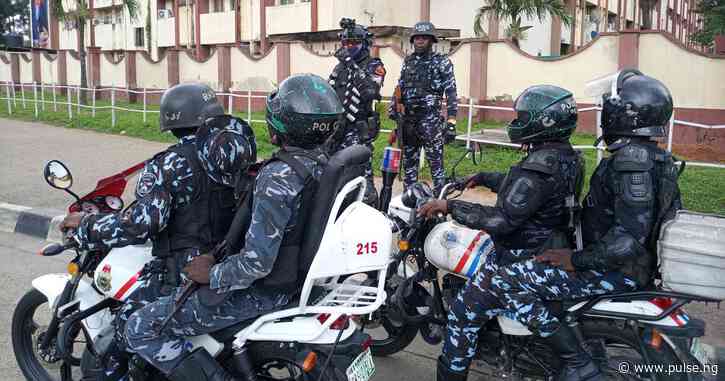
[449,240]
[104,279]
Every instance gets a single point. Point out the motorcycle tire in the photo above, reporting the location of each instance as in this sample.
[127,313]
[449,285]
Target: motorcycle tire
[23,329]
[399,338]
[610,333]
[271,361]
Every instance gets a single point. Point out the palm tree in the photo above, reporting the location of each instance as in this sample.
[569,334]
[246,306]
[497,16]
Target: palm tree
[515,10]
[77,11]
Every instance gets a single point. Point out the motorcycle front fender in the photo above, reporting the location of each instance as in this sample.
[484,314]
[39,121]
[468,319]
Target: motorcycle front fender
[52,286]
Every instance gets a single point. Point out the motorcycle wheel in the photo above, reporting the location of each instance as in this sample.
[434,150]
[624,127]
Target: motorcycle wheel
[30,320]
[272,362]
[621,346]
[389,336]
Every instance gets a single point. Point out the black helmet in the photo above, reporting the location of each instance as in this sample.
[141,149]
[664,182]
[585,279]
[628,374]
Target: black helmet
[353,31]
[424,28]
[188,105]
[304,111]
[636,105]
[543,113]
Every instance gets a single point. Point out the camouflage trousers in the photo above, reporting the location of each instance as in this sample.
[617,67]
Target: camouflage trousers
[431,139]
[523,288]
[350,138]
[518,291]
[166,349]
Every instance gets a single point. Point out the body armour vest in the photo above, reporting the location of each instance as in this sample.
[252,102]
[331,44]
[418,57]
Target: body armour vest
[341,76]
[551,225]
[291,265]
[200,224]
[417,81]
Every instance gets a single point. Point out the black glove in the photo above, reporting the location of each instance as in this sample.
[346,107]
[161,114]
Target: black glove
[481,178]
[450,133]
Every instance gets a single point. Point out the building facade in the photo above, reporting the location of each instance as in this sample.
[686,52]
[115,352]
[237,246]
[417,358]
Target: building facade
[198,25]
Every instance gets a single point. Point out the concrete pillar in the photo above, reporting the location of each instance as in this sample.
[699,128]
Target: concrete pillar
[15,67]
[131,74]
[36,66]
[283,60]
[479,72]
[628,50]
[264,44]
[173,68]
[202,7]
[555,44]
[176,24]
[62,69]
[493,27]
[314,5]
[54,29]
[424,10]
[91,26]
[225,69]
[94,66]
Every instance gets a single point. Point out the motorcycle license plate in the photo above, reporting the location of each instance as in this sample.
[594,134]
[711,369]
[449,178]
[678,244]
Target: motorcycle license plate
[699,352]
[362,369]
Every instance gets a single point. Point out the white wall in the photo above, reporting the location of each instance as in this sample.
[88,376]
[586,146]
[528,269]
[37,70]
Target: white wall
[443,15]
[381,12]
[48,70]
[193,71]
[255,75]
[26,69]
[303,61]
[5,75]
[166,33]
[73,72]
[151,75]
[217,28]
[291,18]
[538,38]
[112,74]
[461,60]
[393,63]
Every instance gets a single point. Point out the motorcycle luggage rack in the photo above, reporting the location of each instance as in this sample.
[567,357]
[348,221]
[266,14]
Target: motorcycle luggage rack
[682,299]
[341,298]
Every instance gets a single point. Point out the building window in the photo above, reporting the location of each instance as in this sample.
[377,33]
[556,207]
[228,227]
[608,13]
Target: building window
[138,37]
[286,2]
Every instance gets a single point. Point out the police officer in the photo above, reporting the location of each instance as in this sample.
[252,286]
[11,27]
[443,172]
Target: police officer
[532,212]
[301,116]
[357,80]
[425,78]
[184,197]
[631,193]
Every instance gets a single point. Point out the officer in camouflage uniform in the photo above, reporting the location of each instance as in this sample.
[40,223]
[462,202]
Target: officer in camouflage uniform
[425,78]
[532,212]
[357,80]
[301,115]
[632,192]
[181,195]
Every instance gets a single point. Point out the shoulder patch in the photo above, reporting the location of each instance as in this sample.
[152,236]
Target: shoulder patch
[632,158]
[146,183]
[544,160]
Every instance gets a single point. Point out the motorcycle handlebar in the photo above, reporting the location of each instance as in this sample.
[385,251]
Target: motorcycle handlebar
[53,249]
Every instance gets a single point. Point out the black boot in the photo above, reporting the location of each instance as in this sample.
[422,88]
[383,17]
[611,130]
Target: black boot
[444,372]
[199,366]
[576,364]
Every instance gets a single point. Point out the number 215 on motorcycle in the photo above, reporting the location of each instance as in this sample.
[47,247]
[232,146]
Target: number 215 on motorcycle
[367,248]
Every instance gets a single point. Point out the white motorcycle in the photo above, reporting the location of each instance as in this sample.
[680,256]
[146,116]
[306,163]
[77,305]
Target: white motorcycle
[621,331]
[62,323]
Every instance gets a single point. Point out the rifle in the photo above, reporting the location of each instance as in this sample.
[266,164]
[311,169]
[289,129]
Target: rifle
[218,252]
[399,111]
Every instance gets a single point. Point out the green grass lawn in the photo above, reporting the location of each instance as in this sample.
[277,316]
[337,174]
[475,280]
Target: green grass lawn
[703,189]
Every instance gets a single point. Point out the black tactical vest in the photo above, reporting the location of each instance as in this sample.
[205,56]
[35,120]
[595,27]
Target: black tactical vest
[341,77]
[200,224]
[417,80]
[289,268]
[551,225]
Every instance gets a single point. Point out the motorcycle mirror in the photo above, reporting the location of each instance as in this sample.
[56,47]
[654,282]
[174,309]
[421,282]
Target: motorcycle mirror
[57,175]
[52,249]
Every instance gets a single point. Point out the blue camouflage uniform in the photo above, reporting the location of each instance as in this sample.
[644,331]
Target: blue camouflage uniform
[357,87]
[424,80]
[619,224]
[165,184]
[276,203]
[530,214]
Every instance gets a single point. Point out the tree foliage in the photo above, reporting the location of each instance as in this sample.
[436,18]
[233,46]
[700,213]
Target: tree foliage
[713,12]
[14,16]
[514,11]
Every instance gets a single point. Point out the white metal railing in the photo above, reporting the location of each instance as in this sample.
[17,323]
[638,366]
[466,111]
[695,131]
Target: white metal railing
[39,102]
